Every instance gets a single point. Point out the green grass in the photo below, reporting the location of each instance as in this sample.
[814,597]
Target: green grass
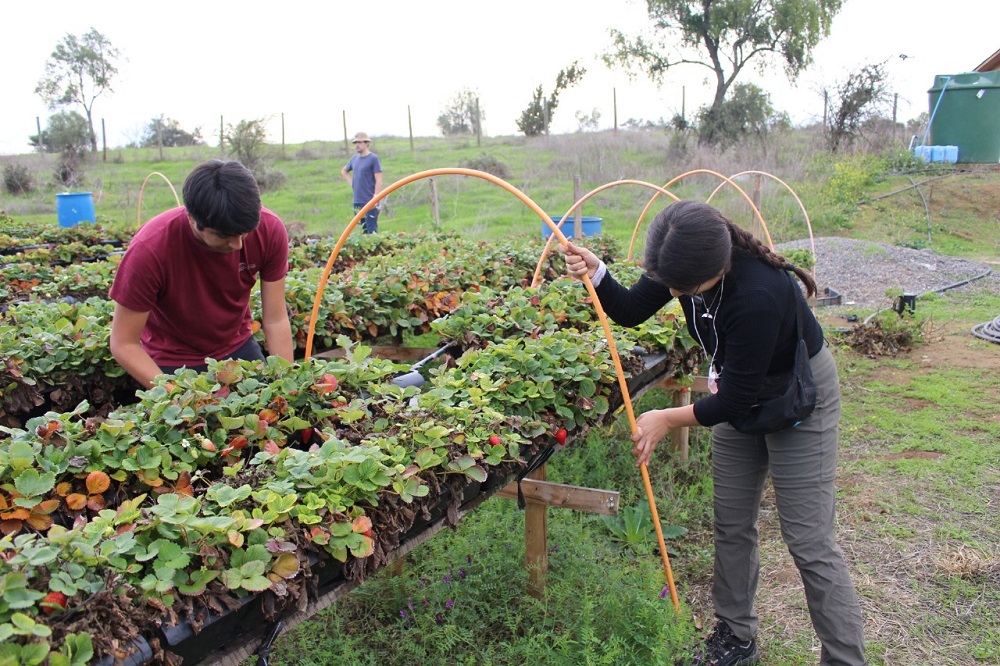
[461,600]
[543,170]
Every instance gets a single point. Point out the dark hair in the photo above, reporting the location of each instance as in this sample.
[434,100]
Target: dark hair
[222,195]
[689,243]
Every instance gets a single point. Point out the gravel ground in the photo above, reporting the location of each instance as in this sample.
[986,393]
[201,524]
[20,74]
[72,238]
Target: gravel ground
[862,271]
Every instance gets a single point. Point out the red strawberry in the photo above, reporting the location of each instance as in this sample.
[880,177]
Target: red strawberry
[495,440]
[52,600]
[561,436]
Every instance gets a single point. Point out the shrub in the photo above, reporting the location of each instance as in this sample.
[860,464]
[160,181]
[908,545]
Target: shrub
[746,112]
[799,256]
[887,334]
[17,178]
[489,164]
[247,141]
[67,170]
[269,180]
[167,132]
[847,186]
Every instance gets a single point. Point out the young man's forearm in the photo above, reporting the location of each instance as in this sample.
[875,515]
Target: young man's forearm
[278,339]
[138,364]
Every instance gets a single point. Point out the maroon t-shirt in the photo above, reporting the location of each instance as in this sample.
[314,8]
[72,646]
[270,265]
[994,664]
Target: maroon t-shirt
[198,300]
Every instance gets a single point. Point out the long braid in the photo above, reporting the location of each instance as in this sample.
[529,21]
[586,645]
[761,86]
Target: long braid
[751,244]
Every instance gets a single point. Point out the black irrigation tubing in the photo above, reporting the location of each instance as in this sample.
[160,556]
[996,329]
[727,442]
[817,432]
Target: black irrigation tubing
[927,208]
[923,182]
[936,291]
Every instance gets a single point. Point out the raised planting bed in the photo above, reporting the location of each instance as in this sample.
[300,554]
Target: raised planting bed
[239,633]
[229,499]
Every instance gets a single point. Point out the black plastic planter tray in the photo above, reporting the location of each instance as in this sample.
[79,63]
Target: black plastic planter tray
[182,640]
[139,652]
[829,297]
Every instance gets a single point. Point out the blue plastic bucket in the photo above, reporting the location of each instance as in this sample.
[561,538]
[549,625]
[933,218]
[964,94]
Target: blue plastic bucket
[590,226]
[75,207]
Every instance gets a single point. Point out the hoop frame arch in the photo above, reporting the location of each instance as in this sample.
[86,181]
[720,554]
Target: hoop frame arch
[812,240]
[536,279]
[693,172]
[143,189]
[622,383]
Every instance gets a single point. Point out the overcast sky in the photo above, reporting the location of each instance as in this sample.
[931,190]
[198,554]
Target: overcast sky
[314,62]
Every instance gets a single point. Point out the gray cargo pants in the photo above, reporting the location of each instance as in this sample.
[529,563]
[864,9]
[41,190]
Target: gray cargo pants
[802,462]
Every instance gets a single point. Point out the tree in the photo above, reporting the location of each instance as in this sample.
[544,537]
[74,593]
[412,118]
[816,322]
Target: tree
[537,117]
[79,71]
[860,98]
[168,133]
[588,122]
[725,36]
[462,115]
[66,132]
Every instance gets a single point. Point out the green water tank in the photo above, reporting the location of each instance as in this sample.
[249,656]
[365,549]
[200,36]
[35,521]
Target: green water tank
[968,115]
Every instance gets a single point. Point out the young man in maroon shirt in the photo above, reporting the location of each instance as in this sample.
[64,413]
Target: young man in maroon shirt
[182,290]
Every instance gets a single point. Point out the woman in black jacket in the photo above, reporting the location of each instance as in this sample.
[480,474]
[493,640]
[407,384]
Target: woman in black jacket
[740,305]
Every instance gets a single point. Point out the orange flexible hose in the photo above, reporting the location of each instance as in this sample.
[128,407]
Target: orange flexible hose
[692,173]
[576,206]
[143,189]
[622,382]
[812,241]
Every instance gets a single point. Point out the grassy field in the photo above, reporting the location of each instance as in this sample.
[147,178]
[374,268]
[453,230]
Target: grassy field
[920,436]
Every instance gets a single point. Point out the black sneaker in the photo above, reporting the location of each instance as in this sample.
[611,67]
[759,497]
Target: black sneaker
[723,648]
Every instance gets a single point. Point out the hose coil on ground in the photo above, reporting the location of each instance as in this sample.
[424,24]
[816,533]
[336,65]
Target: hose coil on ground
[988,331]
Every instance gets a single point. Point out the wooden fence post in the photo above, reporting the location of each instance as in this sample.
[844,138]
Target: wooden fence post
[755,227]
[536,547]
[435,208]
[578,216]
[680,438]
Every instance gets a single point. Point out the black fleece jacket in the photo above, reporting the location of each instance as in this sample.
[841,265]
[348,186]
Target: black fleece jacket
[754,327]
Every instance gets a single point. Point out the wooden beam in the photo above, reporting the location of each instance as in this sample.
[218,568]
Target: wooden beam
[590,500]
